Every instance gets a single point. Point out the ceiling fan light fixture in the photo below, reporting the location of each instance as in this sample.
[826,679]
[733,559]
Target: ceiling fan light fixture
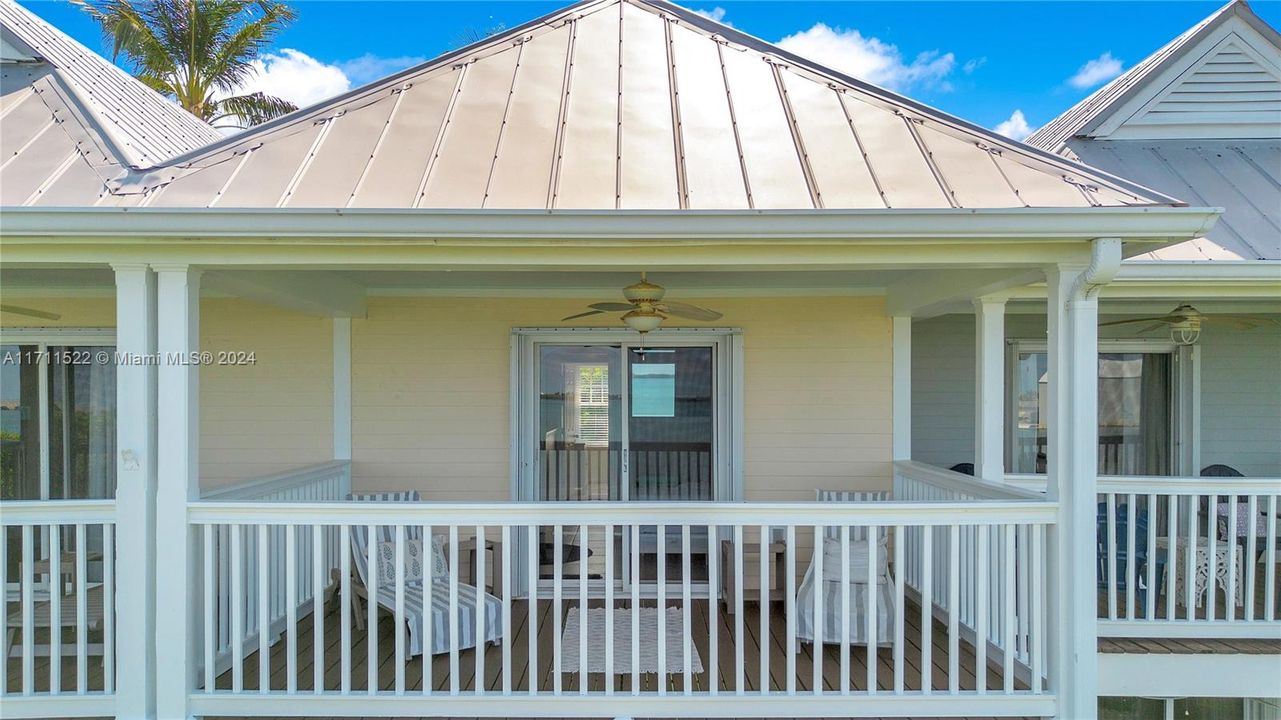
[643,321]
[1187,334]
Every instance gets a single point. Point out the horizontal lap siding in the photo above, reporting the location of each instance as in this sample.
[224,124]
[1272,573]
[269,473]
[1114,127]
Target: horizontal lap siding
[943,390]
[1241,399]
[430,392]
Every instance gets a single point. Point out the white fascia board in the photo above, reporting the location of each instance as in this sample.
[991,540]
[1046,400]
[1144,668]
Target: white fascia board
[1225,270]
[1154,224]
[1212,280]
[1200,675]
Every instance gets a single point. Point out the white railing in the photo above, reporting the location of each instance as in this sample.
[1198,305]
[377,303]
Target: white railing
[1230,555]
[263,586]
[1204,556]
[553,561]
[987,579]
[59,615]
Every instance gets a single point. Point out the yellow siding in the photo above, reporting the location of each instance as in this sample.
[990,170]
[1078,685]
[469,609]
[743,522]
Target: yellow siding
[430,392]
[254,420]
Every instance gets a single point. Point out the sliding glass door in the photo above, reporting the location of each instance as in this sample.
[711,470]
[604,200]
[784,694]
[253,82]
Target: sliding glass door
[624,422]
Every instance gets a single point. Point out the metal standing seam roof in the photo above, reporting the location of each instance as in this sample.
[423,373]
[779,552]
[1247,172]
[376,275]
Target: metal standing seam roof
[622,104]
[1089,113]
[143,127]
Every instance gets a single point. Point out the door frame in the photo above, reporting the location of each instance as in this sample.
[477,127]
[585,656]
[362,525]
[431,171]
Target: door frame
[727,375]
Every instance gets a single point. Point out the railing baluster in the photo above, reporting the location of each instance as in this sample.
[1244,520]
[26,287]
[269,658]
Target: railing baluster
[763,638]
[371,609]
[1110,522]
[980,630]
[557,574]
[870,608]
[398,613]
[482,619]
[1172,554]
[713,610]
[1149,610]
[82,611]
[1038,606]
[740,673]
[344,602]
[584,627]
[1009,610]
[425,607]
[1131,556]
[455,682]
[508,554]
[818,626]
[55,608]
[1212,553]
[532,571]
[845,607]
[1189,557]
[1251,554]
[610,678]
[687,624]
[789,601]
[662,610]
[235,600]
[207,554]
[636,608]
[264,610]
[291,609]
[108,608]
[900,583]
[318,608]
[1229,597]
[927,606]
[28,611]
[953,611]
[1269,589]
[4,614]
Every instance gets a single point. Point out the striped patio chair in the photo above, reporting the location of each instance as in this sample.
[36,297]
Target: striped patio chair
[832,590]
[415,590]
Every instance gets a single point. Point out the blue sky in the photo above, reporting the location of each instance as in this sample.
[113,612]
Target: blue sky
[979,60]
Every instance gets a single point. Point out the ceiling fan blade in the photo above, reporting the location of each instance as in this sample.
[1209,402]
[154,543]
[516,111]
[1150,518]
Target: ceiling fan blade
[583,315]
[1243,321]
[1161,319]
[612,306]
[29,312]
[1150,328]
[691,312]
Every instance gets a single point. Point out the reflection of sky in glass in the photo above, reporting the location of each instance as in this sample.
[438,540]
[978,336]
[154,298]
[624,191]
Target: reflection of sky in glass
[654,390]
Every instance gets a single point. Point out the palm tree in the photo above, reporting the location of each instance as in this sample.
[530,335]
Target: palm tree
[199,52]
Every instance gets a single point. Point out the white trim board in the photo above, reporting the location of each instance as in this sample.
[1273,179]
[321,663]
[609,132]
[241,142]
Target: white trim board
[1171,675]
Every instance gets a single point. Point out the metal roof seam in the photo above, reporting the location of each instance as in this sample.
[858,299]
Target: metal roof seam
[678,130]
[244,158]
[840,97]
[440,133]
[992,153]
[53,177]
[301,171]
[562,117]
[733,123]
[618,115]
[502,126]
[382,135]
[816,195]
[924,147]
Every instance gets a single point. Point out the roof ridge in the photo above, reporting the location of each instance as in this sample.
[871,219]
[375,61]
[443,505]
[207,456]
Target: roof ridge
[143,126]
[1053,135]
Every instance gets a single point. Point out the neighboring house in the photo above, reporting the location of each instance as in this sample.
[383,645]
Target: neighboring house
[1199,119]
[384,293]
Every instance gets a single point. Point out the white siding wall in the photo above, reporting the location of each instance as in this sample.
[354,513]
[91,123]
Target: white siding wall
[943,390]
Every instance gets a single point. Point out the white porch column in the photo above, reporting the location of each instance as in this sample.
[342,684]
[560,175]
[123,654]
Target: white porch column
[135,492]
[1072,317]
[989,388]
[902,360]
[178,336]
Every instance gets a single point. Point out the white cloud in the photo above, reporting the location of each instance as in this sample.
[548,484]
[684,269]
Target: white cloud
[972,65]
[1096,72]
[869,58]
[295,76]
[716,14]
[368,67]
[1015,127]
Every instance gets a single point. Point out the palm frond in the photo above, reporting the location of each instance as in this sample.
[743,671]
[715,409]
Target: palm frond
[252,109]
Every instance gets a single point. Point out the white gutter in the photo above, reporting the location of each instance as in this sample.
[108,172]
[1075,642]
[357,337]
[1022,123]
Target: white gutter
[1105,262]
[1155,224]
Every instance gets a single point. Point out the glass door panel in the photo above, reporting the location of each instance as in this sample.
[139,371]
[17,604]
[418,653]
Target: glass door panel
[671,426]
[1135,413]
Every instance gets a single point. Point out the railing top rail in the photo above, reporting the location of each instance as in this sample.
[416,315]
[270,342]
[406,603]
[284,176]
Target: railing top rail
[259,486]
[56,512]
[942,477]
[598,513]
[1158,485]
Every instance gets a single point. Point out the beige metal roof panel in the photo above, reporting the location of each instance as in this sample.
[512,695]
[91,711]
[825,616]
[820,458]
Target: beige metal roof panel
[648,164]
[771,157]
[970,172]
[77,181]
[586,177]
[393,176]
[624,103]
[899,164]
[836,161]
[713,170]
[144,127]
[457,178]
[528,139]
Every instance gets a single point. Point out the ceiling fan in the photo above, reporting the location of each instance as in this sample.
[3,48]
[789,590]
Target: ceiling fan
[1185,323]
[29,312]
[645,308]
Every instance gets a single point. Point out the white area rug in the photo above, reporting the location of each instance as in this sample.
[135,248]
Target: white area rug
[623,641]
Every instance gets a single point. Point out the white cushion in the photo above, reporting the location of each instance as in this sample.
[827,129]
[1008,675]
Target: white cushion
[858,560]
[413,560]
